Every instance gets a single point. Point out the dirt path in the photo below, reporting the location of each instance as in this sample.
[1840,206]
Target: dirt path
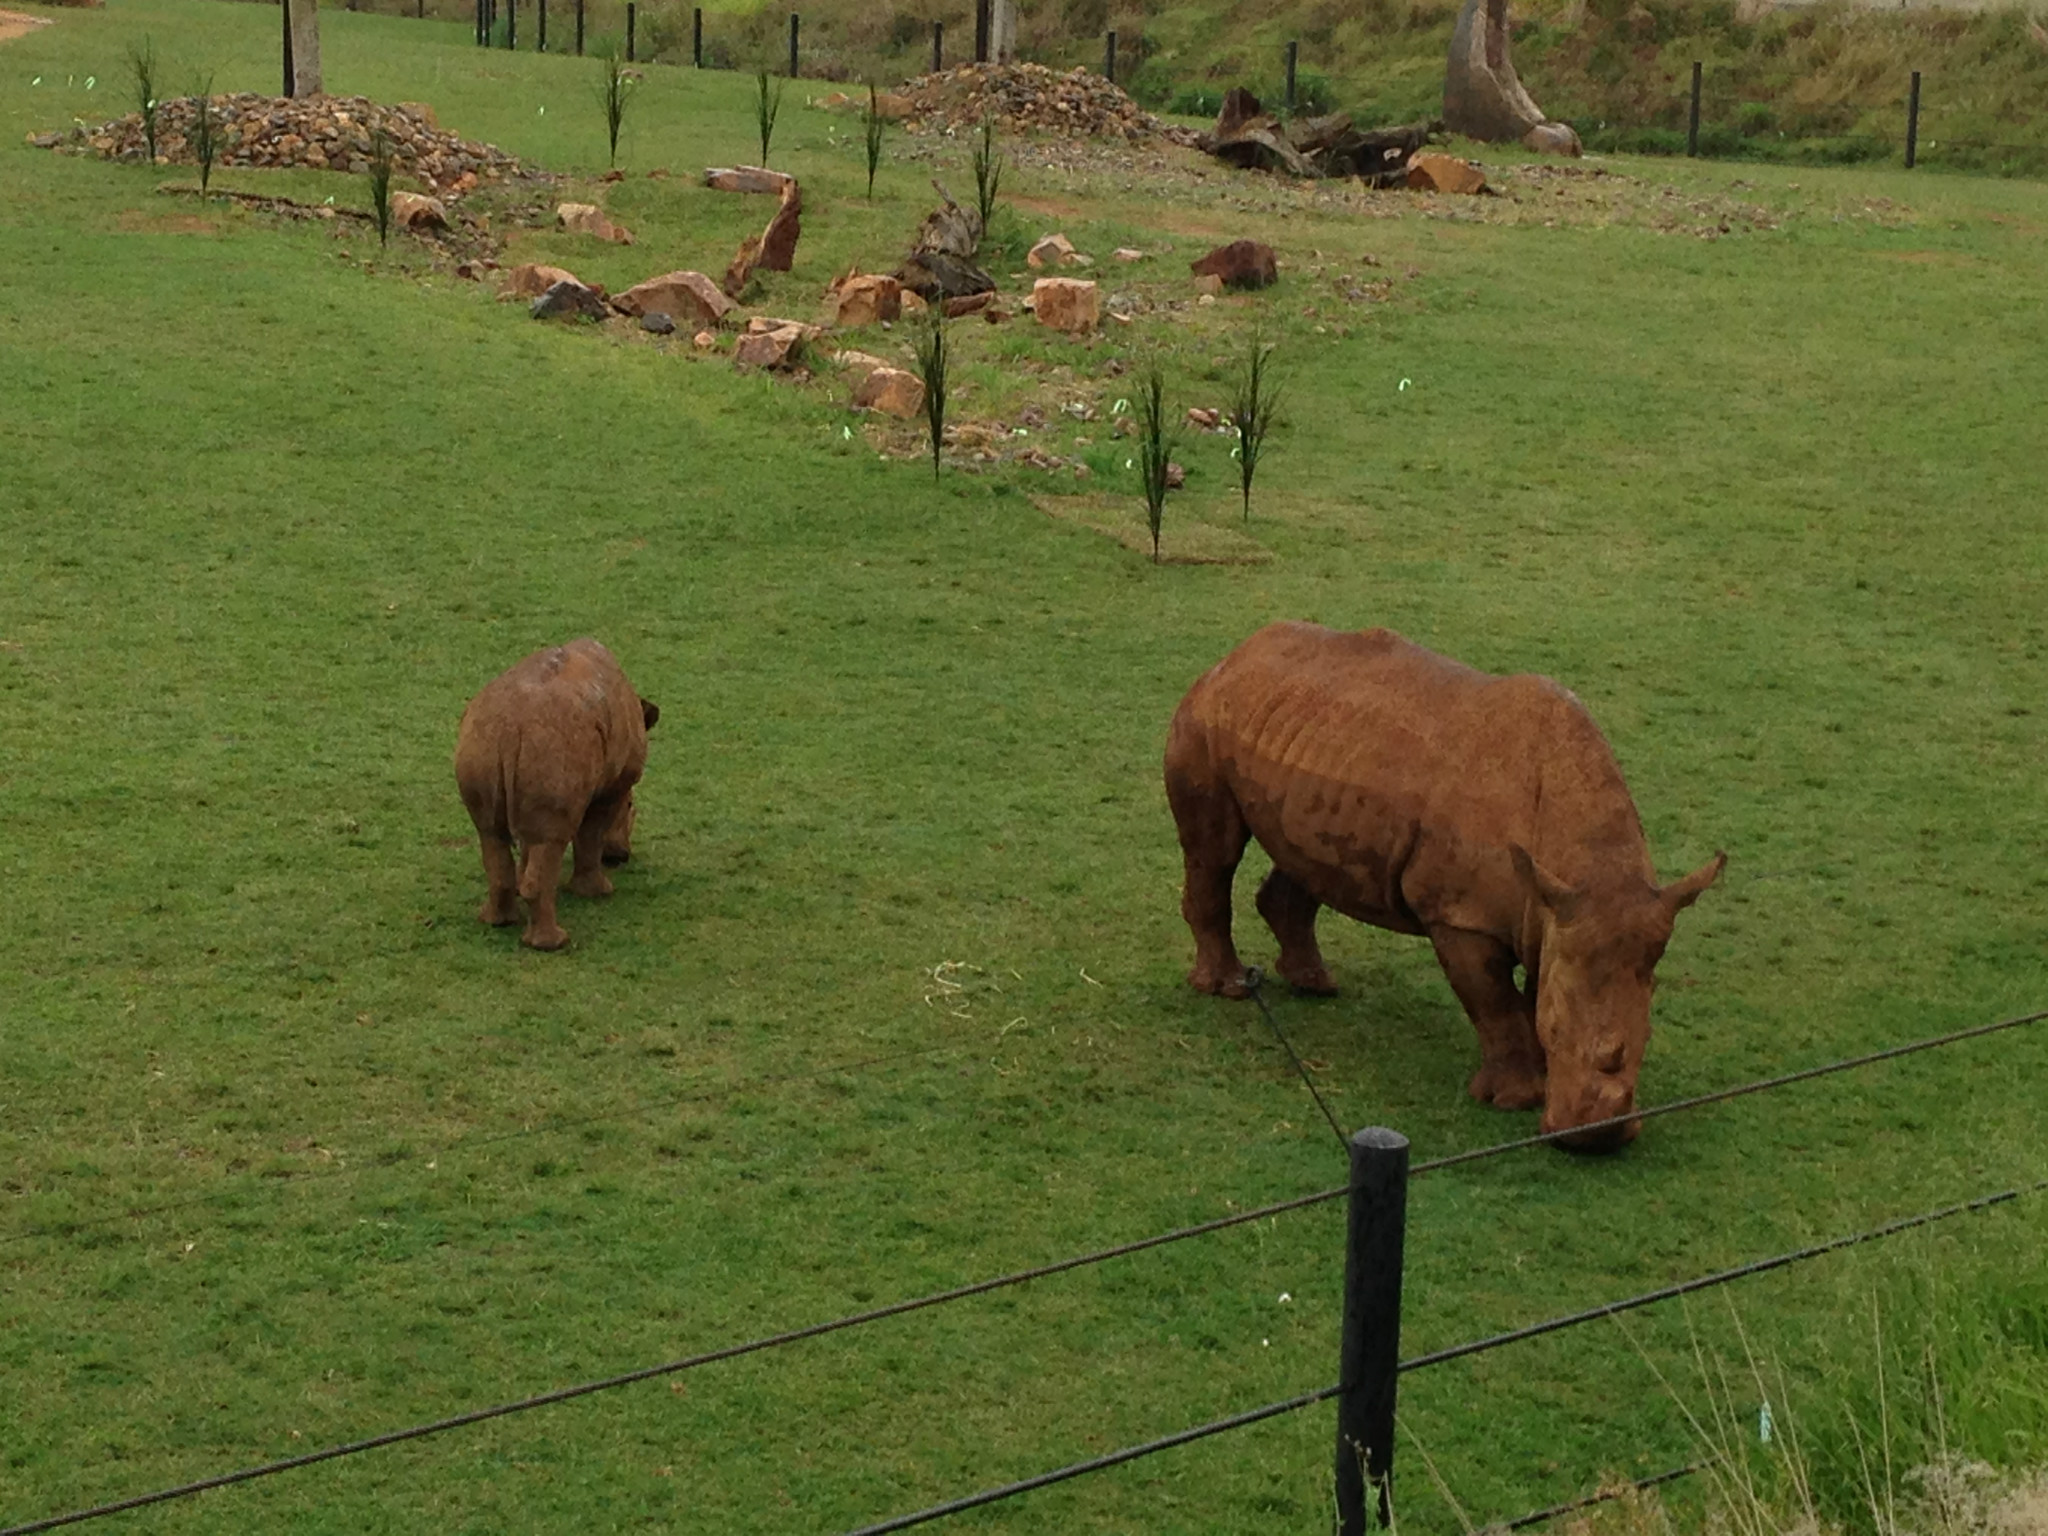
[13,24]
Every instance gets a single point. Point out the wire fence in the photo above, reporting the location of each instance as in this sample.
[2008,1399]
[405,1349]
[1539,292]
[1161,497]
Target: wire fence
[1099,1256]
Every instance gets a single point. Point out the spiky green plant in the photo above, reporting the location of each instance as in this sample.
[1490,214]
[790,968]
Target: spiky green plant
[614,90]
[380,183]
[930,346]
[142,68]
[767,106]
[1253,410]
[205,134]
[873,124]
[988,170]
[1156,437]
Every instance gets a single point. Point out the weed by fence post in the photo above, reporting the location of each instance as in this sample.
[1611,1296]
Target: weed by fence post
[766,108]
[873,124]
[142,65]
[1155,447]
[930,346]
[380,184]
[205,132]
[1692,122]
[1913,122]
[1253,411]
[988,170]
[612,93]
[1369,1361]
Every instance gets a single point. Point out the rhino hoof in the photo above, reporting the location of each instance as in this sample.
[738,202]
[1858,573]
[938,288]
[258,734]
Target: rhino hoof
[1506,1090]
[1219,986]
[544,938]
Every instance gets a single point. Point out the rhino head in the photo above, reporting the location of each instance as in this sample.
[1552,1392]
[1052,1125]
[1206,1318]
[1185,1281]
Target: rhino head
[1594,978]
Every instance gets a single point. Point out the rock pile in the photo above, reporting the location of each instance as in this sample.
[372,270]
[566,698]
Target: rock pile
[320,133]
[1030,97]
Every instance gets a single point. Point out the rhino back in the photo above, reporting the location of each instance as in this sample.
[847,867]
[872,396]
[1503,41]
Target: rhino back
[547,735]
[1389,780]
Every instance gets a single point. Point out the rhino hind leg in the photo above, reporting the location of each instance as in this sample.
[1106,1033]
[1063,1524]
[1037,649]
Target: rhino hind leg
[1213,835]
[1290,912]
[540,870]
[501,871]
[589,878]
[1481,970]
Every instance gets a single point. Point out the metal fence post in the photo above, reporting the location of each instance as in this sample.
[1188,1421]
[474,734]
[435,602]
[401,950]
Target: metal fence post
[511,25]
[1370,1358]
[1692,124]
[792,44]
[1109,58]
[1913,122]
[697,37]
[982,19]
[1293,56]
[631,18]
[284,9]
[579,28]
[938,46]
[540,42]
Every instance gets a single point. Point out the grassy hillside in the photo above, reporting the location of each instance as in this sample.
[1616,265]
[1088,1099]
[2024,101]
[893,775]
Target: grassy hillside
[891,997]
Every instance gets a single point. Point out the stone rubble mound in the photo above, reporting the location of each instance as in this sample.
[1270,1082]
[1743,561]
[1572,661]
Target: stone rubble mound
[321,133]
[1026,98]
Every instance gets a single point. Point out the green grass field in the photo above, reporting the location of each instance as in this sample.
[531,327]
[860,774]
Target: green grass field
[292,1150]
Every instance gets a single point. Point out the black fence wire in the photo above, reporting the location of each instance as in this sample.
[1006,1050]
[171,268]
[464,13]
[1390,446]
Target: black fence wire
[1442,1356]
[1602,1496]
[1098,1256]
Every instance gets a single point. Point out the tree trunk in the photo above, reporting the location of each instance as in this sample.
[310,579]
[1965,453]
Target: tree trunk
[1003,32]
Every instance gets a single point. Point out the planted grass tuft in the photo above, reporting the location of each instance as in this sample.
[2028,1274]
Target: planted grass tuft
[1253,410]
[1157,436]
[142,68]
[614,92]
[768,107]
[930,346]
[205,132]
[989,161]
[380,184]
[872,125]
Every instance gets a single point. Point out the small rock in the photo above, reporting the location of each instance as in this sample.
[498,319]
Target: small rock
[1445,173]
[704,341]
[1125,253]
[1203,418]
[569,300]
[748,178]
[859,363]
[1240,264]
[1176,477]
[1208,285]
[779,347]
[1554,139]
[532,280]
[914,303]
[658,323]
[892,391]
[589,219]
[968,303]
[1051,251]
[1068,304]
[864,299]
[409,210]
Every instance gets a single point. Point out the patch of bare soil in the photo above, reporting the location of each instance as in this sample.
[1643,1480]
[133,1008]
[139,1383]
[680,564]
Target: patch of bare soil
[13,24]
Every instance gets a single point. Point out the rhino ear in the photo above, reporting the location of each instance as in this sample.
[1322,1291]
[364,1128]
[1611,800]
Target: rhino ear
[1548,889]
[1684,891]
[649,713]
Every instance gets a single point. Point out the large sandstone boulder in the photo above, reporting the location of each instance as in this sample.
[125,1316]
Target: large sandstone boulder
[689,298]
[773,343]
[1068,304]
[411,210]
[894,391]
[1240,264]
[1483,97]
[1554,139]
[774,249]
[1055,251]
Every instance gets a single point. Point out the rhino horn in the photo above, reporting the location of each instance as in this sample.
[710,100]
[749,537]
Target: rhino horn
[1684,891]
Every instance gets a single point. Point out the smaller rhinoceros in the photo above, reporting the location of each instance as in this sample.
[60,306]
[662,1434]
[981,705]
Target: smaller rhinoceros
[547,755]
[1414,793]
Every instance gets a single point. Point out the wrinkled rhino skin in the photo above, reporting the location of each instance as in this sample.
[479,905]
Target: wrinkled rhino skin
[547,756]
[1416,794]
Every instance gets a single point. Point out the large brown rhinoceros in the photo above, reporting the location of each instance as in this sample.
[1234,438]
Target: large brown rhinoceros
[1417,794]
[547,755]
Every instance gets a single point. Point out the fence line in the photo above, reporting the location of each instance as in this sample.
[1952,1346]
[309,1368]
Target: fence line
[1601,1496]
[1439,1357]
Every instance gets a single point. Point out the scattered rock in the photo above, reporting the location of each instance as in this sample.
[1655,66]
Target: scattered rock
[858,363]
[748,178]
[1176,476]
[1125,253]
[914,303]
[1053,251]
[658,323]
[704,341]
[1554,139]
[410,210]
[968,304]
[570,300]
[532,280]
[863,299]
[1208,285]
[892,391]
[1445,173]
[589,219]
[1207,420]
[690,297]
[1241,264]
[773,343]
[1068,304]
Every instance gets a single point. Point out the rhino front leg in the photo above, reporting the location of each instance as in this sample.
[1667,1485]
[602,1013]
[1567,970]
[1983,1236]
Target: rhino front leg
[1481,971]
[1212,838]
[1290,912]
[588,878]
